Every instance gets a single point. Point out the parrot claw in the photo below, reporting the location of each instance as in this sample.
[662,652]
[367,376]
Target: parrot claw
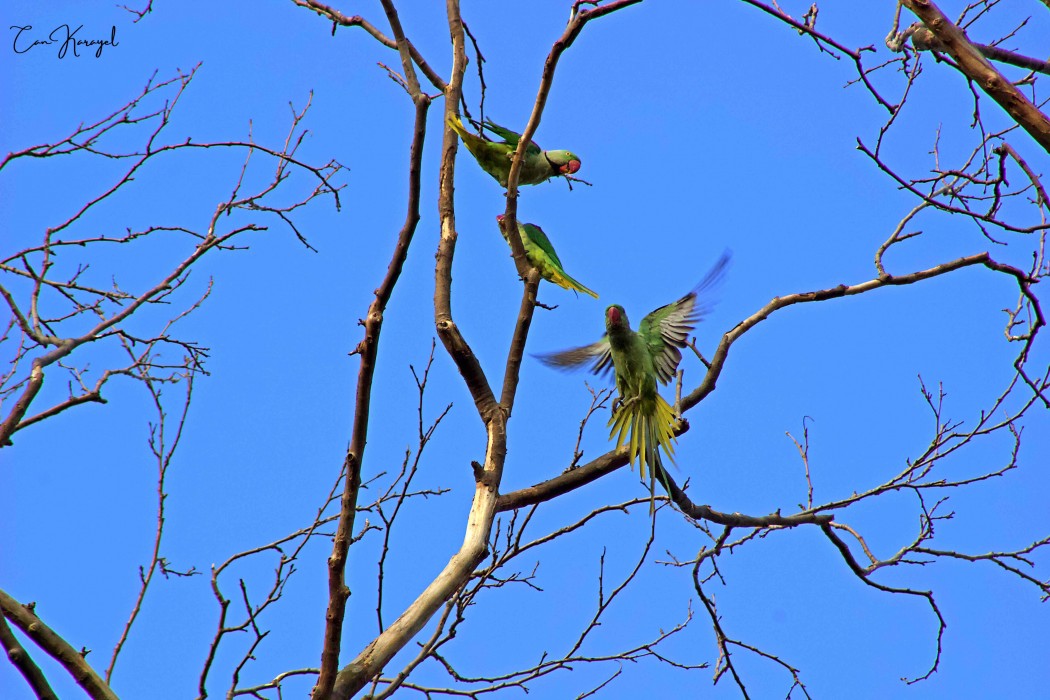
[619,404]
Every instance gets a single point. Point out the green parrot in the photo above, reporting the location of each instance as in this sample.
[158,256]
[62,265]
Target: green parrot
[494,156]
[640,360]
[541,255]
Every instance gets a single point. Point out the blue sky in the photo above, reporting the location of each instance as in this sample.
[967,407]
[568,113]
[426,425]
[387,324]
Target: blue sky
[702,127]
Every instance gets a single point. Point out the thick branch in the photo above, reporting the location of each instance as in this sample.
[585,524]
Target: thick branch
[455,344]
[977,68]
[457,572]
[368,350]
[610,462]
[521,334]
[509,223]
[57,647]
[703,512]
[21,660]
[36,380]
[371,660]
[563,483]
[613,460]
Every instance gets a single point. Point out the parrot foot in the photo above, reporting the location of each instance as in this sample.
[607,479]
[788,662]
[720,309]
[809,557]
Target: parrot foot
[620,404]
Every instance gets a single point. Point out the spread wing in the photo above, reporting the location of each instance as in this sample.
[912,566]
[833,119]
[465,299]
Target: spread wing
[667,329]
[597,354]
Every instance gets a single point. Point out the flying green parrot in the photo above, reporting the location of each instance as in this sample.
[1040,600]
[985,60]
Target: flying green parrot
[494,156]
[541,255]
[640,360]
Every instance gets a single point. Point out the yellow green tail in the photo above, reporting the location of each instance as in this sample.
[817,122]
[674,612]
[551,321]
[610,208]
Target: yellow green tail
[645,425]
[457,125]
[564,281]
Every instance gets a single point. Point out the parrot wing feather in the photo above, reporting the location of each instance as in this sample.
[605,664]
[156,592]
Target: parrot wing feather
[666,329]
[535,235]
[542,255]
[598,354]
[511,137]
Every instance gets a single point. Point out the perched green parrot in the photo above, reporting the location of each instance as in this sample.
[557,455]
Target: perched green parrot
[640,360]
[494,156]
[541,255]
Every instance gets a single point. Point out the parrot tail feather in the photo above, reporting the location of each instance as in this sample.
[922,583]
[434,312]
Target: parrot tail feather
[564,281]
[645,426]
[474,143]
[457,125]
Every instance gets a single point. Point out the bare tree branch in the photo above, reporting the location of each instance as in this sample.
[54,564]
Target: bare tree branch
[21,660]
[368,350]
[977,68]
[494,415]
[339,19]
[107,312]
[163,451]
[61,311]
[24,617]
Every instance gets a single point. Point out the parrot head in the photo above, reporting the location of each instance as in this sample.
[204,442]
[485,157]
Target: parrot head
[565,162]
[499,222]
[616,318]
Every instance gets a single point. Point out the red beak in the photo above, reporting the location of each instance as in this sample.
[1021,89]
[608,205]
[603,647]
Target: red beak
[571,167]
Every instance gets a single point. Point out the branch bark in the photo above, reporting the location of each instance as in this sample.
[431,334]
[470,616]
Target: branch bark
[21,660]
[339,19]
[371,660]
[613,460]
[57,647]
[722,352]
[36,380]
[509,223]
[977,68]
[368,349]
[493,414]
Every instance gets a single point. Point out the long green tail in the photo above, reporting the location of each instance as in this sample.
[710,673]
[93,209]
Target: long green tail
[457,125]
[562,279]
[645,425]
